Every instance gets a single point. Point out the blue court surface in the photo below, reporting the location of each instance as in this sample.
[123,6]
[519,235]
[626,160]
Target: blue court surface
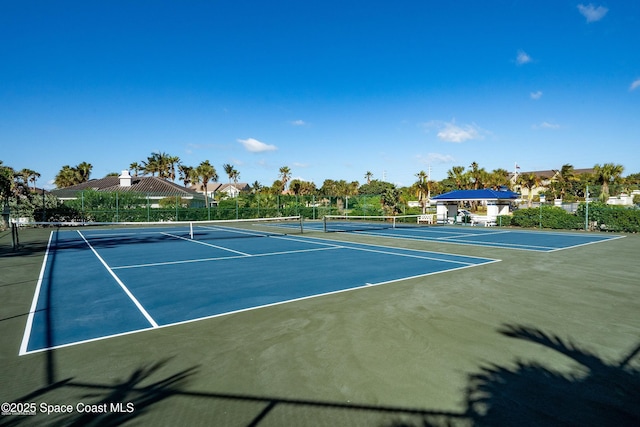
[102,283]
[532,240]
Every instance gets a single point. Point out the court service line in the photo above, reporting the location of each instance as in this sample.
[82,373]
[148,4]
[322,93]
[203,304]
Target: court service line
[122,285]
[187,261]
[588,243]
[206,244]
[410,256]
[474,235]
[34,303]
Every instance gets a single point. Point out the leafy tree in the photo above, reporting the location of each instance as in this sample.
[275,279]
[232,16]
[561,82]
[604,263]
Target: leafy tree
[29,175]
[301,188]
[529,181]
[285,175]
[498,178]
[477,175]
[375,187]
[256,187]
[230,171]
[368,177]
[423,189]
[564,178]
[136,168]
[457,175]
[84,171]
[68,176]
[185,172]
[390,200]
[204,173]
[605,175]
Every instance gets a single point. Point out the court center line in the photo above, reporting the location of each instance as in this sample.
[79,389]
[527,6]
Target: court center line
[122,285]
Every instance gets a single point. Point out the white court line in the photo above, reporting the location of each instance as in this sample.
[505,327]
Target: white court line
[394,248]
[34,303]
[243,310]
[206,244]
[461,242]
[473,235]
[122,285]
[410,256]
[589,243]
[155,264]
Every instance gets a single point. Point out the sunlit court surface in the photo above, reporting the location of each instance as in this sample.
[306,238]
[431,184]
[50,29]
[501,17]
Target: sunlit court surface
[531,240]
[287,324]
[97,283]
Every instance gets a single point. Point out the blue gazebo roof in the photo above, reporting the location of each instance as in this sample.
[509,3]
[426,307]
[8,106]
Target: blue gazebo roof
[484,194]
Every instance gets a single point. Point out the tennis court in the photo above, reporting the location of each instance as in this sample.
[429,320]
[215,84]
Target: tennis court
[97,283]
[497,237]
[295,333]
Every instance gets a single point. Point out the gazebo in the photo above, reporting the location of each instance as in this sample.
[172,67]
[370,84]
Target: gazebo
[497,202]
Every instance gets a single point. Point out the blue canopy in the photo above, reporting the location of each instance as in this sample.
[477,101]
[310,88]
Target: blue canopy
[484,194]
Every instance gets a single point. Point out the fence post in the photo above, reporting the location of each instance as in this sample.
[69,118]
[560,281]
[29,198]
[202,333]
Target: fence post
[586,215]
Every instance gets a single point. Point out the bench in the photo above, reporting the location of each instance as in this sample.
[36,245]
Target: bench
[483,219]
[425,219]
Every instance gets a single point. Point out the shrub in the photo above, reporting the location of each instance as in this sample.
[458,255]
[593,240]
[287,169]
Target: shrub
[548,217]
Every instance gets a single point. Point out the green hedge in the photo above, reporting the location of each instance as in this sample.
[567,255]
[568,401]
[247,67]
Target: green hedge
[602,217]
[547,217]
[611,217]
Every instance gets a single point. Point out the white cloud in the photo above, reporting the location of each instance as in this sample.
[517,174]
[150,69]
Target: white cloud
[255,146]
[635,85]
[523,58]
[536,95]
[450,132]
[299,123]
[592,13]
[436,158]
[546,125]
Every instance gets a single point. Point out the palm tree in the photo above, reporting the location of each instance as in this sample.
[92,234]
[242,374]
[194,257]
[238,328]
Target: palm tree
[565,176]
[136,168]
[368,177]
[66,177]
[228,169]
[84,171]
[159,163]
[185,174]
[205,172]
[424,189]
[478,175]
[29,175]
[498,178]
[173,162]
[285,175]
[605,175]
[456,174]
[256,187]
[529,181]
[6,180]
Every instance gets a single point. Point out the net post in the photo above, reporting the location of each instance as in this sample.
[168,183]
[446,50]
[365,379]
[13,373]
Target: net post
[14,236]
[324,223]
[394,222]
[191,229]
[301,224]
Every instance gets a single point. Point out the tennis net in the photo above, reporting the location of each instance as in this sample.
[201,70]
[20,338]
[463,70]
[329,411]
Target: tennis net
[337,223]
[132,232]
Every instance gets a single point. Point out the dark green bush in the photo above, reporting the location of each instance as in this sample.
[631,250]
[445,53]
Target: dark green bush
[547,217]
[611,217]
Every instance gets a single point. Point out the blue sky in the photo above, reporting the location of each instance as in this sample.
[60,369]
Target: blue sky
[331,89]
